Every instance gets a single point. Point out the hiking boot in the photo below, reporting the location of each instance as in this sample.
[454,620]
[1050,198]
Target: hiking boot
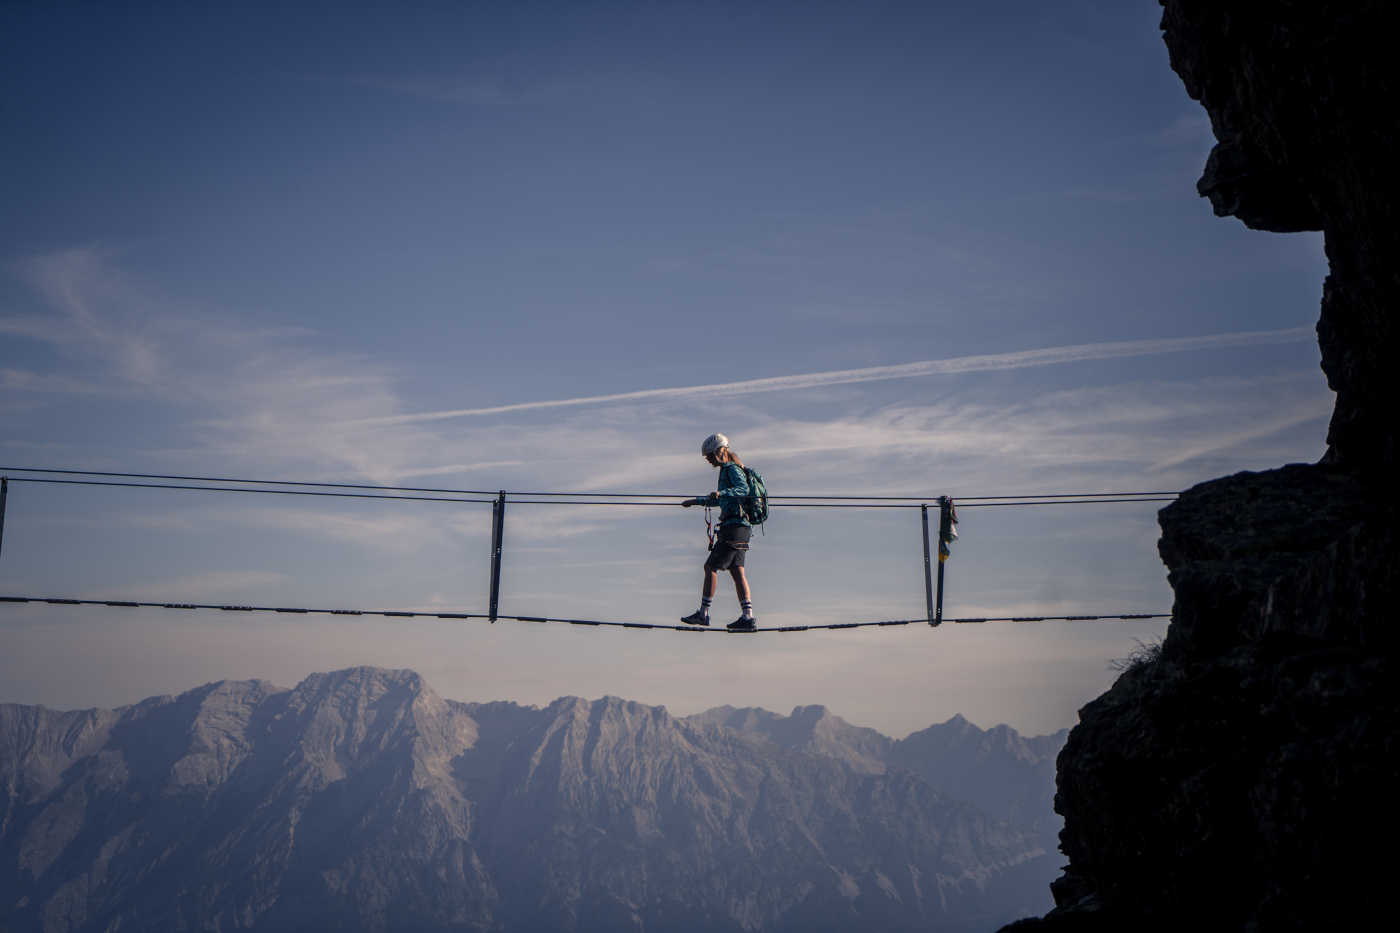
[741,625]
[696,618]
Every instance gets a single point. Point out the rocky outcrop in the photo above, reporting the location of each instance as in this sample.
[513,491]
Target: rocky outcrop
[1300,96]
[361,800]
[1231,779]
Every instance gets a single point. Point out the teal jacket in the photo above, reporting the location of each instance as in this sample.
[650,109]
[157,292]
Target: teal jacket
[733,488]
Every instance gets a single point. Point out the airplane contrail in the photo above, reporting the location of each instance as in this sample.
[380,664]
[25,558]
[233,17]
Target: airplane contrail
[961,364]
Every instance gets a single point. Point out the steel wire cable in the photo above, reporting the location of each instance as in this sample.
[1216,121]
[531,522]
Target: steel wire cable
[265,492]
[864,504]
[265,482]
[401,613]
[658,495]
[839,505]
[547,498]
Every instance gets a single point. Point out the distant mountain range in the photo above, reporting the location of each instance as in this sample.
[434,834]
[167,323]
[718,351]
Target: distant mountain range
[1001,772]
[361,800]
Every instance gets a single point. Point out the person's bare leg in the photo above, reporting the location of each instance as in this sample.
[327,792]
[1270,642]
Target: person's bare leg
[711,584]
[741,583]
[707,593]
[741,588]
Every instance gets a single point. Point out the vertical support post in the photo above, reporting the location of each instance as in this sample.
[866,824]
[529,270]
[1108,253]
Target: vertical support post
[928,567]
[498,527]
[4,494]
[945,529]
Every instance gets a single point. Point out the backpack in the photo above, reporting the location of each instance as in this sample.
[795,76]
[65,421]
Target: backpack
[755,505]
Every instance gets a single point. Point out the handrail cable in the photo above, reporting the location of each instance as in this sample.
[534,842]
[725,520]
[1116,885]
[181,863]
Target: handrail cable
[265,482]
[1060,495]
[267,492]
[963,503]
[578,498]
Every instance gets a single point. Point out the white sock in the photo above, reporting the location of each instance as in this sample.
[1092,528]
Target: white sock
[747,606]
[705,606]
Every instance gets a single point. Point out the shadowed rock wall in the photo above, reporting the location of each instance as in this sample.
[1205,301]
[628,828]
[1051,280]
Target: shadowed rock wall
[1238,779]
[1300,94]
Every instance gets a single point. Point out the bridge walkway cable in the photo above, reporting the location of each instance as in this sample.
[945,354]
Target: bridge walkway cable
[401,613]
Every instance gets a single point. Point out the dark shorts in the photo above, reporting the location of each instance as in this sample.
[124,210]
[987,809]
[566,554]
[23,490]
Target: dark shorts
[731,544]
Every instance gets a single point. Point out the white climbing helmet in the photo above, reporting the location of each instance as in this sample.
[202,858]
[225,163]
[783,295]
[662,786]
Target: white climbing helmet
[712,443]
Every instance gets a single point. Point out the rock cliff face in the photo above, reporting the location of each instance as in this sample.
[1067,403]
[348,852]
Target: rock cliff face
[363,801]
[1230,781]
[1301,97]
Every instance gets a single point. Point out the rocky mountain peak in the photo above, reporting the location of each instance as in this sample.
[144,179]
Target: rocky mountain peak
[814,730]
[42,743]
[362,800]
[1001,772]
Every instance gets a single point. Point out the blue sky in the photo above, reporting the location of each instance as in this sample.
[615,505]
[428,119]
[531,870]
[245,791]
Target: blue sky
[249,241]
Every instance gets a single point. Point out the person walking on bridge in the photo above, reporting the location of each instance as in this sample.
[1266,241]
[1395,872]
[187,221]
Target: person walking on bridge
[732,541]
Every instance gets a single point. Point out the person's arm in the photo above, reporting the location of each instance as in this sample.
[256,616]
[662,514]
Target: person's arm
[733,484]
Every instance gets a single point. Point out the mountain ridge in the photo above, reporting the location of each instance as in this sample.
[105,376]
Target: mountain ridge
[1001,772]
[362,800]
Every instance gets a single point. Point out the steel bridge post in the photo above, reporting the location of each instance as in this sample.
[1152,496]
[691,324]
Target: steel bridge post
[928,567]
[498,527]
[4,494]
[945,527]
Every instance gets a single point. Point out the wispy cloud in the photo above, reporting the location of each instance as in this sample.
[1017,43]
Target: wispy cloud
[460,468]
[89,292]
[1166,434]
[962,364]
[254,395]
[401,531]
